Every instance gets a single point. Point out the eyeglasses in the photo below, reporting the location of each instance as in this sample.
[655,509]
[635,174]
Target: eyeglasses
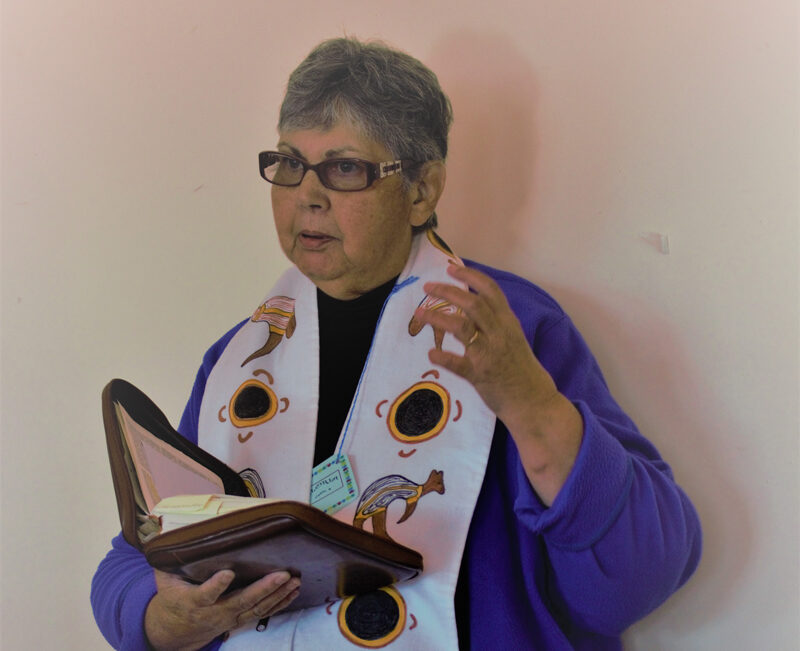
[342,174]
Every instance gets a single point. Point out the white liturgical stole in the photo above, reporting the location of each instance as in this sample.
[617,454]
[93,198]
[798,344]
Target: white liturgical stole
[417,439]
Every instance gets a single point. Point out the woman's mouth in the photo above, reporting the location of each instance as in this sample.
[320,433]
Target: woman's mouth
[314,240]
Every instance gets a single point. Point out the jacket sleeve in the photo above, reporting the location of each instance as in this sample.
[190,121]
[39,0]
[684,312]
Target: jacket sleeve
[621,535]
[124,583]
[122,587]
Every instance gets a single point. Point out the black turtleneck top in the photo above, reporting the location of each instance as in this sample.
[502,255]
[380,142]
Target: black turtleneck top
[346,329]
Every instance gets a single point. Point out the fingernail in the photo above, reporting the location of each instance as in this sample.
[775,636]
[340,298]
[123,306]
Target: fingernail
[283,577]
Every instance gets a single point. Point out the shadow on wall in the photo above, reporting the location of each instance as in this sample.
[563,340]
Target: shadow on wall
[493,168]
[660,386]
[491,162]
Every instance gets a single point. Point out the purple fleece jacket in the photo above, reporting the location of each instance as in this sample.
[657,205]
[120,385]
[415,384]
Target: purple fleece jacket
[620,537]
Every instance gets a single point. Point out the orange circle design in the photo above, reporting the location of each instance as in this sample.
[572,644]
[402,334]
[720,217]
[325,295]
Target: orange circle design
[438,427]
[385,639]
[258,420]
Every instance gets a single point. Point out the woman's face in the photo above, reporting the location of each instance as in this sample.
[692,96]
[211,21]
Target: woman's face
[347,243]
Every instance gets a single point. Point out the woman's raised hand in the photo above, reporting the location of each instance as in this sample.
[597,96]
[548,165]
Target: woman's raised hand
[497,359]
[499,363]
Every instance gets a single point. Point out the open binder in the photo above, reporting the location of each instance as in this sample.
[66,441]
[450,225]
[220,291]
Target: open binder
[332,558]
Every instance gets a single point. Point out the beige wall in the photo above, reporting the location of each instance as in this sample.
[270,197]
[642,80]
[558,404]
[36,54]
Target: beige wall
[136,230]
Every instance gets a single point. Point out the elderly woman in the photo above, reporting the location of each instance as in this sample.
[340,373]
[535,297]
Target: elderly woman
[456,391]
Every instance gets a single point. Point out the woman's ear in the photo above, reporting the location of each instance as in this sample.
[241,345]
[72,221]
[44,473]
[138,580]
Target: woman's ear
[426,190]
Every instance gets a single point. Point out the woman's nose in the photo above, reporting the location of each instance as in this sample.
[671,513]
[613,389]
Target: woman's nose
[311,192]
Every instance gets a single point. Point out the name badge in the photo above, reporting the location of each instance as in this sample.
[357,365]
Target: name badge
[333,485]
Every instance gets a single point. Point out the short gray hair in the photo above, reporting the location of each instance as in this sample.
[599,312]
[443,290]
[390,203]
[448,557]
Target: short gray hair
[389,95]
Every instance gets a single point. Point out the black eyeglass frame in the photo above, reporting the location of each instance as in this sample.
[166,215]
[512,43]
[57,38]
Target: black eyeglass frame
[375,171]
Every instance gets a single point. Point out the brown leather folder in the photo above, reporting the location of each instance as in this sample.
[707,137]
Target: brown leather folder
[332,558]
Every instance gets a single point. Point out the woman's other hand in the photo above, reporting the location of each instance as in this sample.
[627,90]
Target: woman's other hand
[499,363]
[183,615]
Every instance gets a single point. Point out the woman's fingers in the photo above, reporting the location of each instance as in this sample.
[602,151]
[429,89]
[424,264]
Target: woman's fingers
[472,306]
[497,359]
[478,281]
[458,364]
[211,590]
[265,596]
[272,606]
[456,324]
[481,302]
[183,614]
[482,307]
